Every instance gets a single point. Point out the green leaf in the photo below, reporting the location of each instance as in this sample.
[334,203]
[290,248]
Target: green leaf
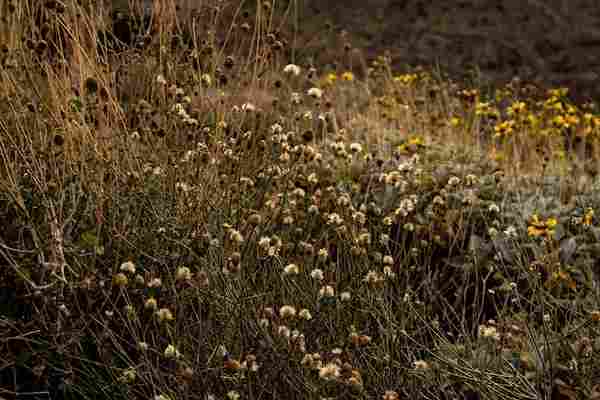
[76,104]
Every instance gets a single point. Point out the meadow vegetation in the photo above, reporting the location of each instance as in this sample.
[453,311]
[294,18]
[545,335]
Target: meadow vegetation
[211,212]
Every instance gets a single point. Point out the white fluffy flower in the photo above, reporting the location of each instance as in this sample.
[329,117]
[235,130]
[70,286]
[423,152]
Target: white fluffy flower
[315,92]
[292,69]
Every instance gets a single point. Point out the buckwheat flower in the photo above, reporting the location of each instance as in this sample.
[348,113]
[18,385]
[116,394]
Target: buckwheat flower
[330,371]
[233,395]
[183,186]
[128,376]
[206,79]
[164,314]
[326,291]
[183,274]
[488,332]
[420,364]
[172,352]
[284,331]
[388,260]
[355,147]
[295,98]
[470,179]
[315,92]
[494,208]
[236,236]
[155,283]
[305,314]
[391,395]
[307,361]
[334,219]
[312,179]
[292,69]
[291,269]
[453,181]
[345,296]
[387,271]
[438,200]
[372,278]
[264,243]
[364,238]
[128,267]
[276,128]
[150,304]
[160,79]
[317,274]
[287,312]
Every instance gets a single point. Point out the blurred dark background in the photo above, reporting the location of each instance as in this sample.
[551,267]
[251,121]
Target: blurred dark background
[556,42]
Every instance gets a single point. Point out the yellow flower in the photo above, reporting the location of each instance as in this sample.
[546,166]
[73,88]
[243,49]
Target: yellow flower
[330,78]
[588,218]
[417,140]
[348,76]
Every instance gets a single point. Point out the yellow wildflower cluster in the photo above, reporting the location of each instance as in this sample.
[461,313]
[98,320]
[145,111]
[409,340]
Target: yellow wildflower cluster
[538,228]
[406,79]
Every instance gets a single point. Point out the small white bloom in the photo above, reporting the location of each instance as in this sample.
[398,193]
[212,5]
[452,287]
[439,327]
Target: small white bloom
[292,69]
[355,147]
[284,331]
[420,364]
[453,181]
[315,92]
[305,314]
[128,266]
[172,352]
[329,372]
[291,269]
[287,312]
[317,274]
[183,274]
[295,98]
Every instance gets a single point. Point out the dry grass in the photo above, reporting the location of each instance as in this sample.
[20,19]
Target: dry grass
[219,219]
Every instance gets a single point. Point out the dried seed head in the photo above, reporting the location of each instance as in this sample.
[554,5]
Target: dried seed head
[91,85]
[229,62]
[41,47]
